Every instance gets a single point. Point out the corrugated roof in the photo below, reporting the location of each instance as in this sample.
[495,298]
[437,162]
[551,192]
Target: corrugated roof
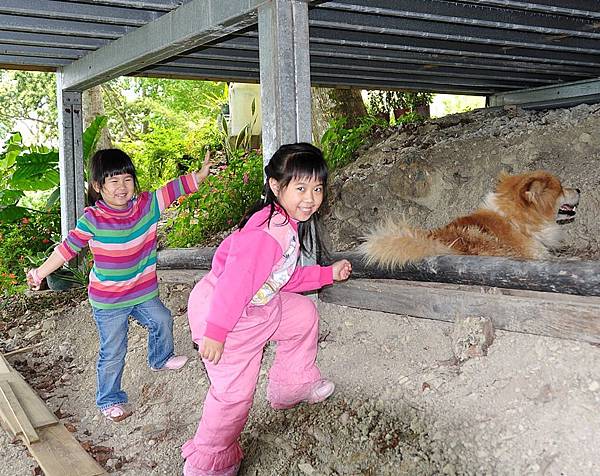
[475,47]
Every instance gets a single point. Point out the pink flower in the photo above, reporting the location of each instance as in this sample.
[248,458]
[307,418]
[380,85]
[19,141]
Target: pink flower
[245,177]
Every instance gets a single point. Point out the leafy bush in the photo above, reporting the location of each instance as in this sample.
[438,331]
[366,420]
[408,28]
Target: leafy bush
[384,102]
[24,244]
[220,202]
[339,144]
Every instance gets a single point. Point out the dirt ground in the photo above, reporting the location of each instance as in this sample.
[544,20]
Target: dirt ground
[402,405]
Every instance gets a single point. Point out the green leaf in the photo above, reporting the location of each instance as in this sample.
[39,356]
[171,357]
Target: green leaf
[53,198]
[36,171]
[12,213]
[91,136]
[10,197]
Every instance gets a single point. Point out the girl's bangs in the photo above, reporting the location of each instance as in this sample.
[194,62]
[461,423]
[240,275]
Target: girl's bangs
[117,167]
[304,166]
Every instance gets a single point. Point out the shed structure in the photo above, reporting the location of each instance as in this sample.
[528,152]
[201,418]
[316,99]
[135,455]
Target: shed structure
[539,52]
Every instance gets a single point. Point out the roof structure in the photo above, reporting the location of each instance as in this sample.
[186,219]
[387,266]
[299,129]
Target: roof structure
[470,46]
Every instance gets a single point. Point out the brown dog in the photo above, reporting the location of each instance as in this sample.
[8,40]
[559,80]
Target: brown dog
[521,219]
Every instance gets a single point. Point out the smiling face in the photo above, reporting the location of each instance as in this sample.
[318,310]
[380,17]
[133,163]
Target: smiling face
[301,198]
[117,190]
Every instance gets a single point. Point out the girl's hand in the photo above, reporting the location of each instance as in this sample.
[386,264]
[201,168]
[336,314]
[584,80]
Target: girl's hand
[205,170]
[211,350]
[33,279]
[342,270]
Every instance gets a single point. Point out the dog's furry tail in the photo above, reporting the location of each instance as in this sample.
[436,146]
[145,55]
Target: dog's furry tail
[394,244]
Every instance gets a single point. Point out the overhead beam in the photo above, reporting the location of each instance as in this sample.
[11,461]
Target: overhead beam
[566,94]
[189,26]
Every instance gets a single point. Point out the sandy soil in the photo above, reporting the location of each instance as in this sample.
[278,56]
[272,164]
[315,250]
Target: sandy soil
[402,406]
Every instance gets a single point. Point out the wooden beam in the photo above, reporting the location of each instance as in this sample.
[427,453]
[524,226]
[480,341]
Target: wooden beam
[549,314]
[60,454]
[16,416]
[578,277]
[38,413]
[185,258]
[22,413]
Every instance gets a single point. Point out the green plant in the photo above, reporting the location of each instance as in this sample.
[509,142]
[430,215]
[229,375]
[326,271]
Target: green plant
[28,168]
[384,102]
[80,274]
[339,144]
[220,202]
[24,244]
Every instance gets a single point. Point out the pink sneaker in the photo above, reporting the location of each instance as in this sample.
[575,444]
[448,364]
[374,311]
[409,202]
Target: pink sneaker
[313,392]
[189,470]
[173,363]
[116,412]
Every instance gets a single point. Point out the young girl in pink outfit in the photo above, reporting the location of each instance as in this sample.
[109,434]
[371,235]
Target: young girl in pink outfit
[249,298]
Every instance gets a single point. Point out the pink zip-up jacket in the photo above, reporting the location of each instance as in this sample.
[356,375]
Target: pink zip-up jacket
[251,266]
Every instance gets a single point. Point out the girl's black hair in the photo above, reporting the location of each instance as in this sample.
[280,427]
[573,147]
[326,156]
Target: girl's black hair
[294,161]
[108,163]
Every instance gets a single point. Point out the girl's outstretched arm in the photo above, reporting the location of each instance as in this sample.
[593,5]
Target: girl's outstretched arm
[184,185]
[309,278]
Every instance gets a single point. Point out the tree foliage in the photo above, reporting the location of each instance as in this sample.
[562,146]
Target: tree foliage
[28,101]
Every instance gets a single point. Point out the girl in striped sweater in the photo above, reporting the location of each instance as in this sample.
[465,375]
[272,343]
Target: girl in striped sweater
[120,231]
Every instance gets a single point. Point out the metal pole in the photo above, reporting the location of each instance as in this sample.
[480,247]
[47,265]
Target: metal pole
[70,127]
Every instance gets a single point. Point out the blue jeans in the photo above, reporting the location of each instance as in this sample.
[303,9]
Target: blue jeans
[112,330]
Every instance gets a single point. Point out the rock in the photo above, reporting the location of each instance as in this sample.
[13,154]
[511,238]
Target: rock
[48,325]
[594,386]
[306,468]
[471,337]
[32,334]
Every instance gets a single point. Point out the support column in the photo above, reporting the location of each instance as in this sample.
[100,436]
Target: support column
[284,74]
[283,41]
[70,128]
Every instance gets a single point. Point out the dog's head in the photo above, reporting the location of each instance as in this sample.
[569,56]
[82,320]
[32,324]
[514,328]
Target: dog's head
[536,198]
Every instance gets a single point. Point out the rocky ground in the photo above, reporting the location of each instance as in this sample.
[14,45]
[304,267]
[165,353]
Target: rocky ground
[432,173]
[402,406]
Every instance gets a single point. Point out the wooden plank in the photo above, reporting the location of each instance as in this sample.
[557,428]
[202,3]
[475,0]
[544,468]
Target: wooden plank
[7,418]
[20,422]
[532,312]
[180,276]
[578,277]
[4,366]
[38,413]
[60,454]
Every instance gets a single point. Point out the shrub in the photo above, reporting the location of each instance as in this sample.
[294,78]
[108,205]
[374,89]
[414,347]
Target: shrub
[220,202]
[339,144]
[23,241]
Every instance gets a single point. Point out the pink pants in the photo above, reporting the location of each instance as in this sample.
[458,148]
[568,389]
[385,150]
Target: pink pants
[289,319]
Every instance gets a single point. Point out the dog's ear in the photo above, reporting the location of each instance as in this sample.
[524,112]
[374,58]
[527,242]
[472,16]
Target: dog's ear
[533,189]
